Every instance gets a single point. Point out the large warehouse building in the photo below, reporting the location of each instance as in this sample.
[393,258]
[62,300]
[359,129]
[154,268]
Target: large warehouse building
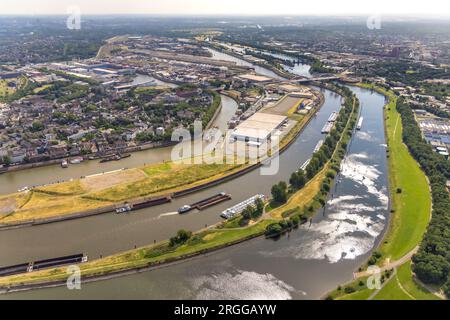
[258,128]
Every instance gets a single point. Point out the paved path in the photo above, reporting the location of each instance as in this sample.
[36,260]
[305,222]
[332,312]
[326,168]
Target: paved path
[389,266]
[394,274]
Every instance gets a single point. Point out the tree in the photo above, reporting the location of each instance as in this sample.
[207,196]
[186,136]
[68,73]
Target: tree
[247,213]
[6,160]
[259,208]
[37,126]
[181,237]
[279,192]
[273,229]
[298,179]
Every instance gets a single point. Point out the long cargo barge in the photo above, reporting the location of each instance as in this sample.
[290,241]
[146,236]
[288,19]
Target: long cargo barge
[205,203]
[143,204]
[327,127]
[318,146]
[305,164]
[333,116]
[42,264]
[115,157]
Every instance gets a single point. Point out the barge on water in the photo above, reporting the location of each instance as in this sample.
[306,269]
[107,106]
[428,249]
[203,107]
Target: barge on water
[327,127]
[205,203]
[115,157]
[333,116]
[42,264]
[238,208]
[360,122]
[305,164]
[127,207]
[318,146]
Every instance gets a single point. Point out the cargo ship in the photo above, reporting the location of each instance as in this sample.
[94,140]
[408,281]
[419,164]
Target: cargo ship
[205,203]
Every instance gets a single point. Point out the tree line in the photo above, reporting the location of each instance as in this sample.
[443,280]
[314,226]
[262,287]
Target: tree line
[432,262]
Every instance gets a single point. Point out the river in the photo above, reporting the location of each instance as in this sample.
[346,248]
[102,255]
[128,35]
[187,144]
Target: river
[299,68]
[302,265]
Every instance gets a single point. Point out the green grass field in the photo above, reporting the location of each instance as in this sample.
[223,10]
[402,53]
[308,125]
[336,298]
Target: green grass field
[403,287]
[412,206]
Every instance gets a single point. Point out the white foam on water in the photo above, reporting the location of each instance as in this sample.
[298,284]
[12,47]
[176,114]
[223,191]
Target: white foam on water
[168,214]
[364,175]
[335,248]
[351,226]
[343,198]
[365,136]
[342,235]
[243,285]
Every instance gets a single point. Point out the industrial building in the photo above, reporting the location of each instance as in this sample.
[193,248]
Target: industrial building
[258,128]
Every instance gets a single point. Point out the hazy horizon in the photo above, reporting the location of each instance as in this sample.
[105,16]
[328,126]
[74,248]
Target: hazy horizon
[435,8]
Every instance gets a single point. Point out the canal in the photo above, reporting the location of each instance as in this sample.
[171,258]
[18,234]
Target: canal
[302,265]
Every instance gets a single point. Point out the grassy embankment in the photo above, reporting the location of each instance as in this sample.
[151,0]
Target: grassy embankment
[97,191]
[410,208]
[212,238]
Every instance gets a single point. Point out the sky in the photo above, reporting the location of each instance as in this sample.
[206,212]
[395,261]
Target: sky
[229,7]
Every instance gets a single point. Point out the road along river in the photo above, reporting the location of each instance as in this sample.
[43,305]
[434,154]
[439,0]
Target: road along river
[302,265]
